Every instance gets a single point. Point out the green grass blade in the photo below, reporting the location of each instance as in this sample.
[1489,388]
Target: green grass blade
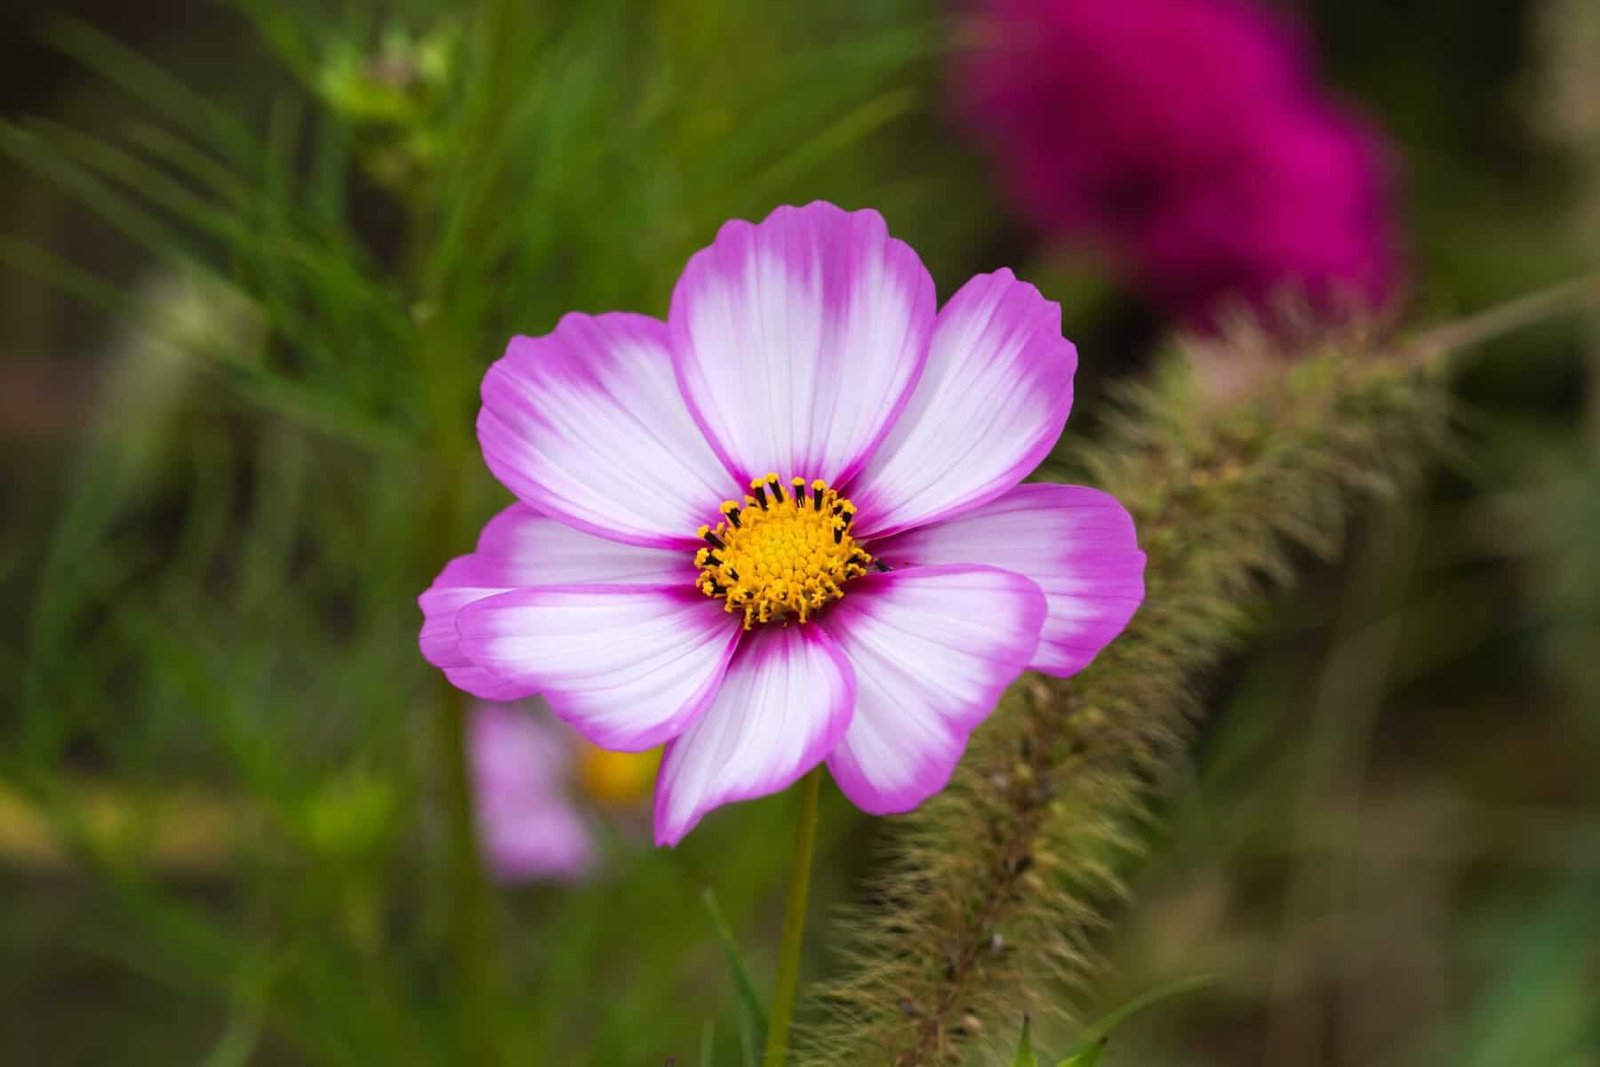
[165,94]
[1025,1056]
[708,1044]
[1095,1035]
[752,1015]
[67,277]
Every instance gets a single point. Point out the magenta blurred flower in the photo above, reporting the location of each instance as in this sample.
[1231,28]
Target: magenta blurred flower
[788,625]
[1188,139]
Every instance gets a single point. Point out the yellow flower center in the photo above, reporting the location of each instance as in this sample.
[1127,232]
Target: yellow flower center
[781,554]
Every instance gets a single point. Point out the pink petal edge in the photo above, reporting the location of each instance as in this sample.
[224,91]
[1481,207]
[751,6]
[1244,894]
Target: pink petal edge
[933,649]
[992,402]
[797,341]
[627,666]
[1078,544]
[740,748]
[586,424]
[518,548]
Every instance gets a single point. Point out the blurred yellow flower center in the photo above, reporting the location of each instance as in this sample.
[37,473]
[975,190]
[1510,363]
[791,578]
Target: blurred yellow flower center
[783,553]
[617,778]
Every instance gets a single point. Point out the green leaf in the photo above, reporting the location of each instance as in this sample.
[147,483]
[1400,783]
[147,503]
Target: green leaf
[708,1044]
[1088,1057]
[1025,1056]
[1092,1041]
[752,1016]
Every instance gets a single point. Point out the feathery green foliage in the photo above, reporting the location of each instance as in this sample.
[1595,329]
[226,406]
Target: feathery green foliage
[433,179]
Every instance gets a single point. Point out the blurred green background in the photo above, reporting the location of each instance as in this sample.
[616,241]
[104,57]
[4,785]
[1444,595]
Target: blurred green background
[256,258]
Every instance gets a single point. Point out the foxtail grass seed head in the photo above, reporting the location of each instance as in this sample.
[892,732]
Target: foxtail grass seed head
[1346,424]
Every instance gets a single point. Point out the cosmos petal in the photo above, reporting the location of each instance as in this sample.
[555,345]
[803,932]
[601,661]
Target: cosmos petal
[458,585]
[519,548]
[587,425]
[784,704]
[991,403]
[798,340]
[627,666]
[932,649]
[526,548]
[1078,544]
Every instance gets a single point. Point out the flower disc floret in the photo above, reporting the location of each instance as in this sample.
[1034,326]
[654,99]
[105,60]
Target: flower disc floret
[781,554]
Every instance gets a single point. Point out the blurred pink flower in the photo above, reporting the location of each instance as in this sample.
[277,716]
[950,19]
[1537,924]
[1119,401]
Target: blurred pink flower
[1189,140]
[528,820]
[541,789]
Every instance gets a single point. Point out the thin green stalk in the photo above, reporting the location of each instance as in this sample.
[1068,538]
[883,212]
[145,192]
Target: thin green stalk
[794,923]
[1579,294]
[469,889]
[444,337]
[469,896]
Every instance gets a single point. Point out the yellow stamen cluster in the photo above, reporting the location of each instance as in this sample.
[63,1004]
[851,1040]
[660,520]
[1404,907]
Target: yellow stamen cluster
[782,554]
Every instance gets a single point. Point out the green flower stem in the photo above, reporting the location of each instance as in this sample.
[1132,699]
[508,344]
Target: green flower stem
[794,923]
[470,899]
[469,889]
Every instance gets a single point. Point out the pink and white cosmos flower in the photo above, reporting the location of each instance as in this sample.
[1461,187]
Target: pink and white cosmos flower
[786,525]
